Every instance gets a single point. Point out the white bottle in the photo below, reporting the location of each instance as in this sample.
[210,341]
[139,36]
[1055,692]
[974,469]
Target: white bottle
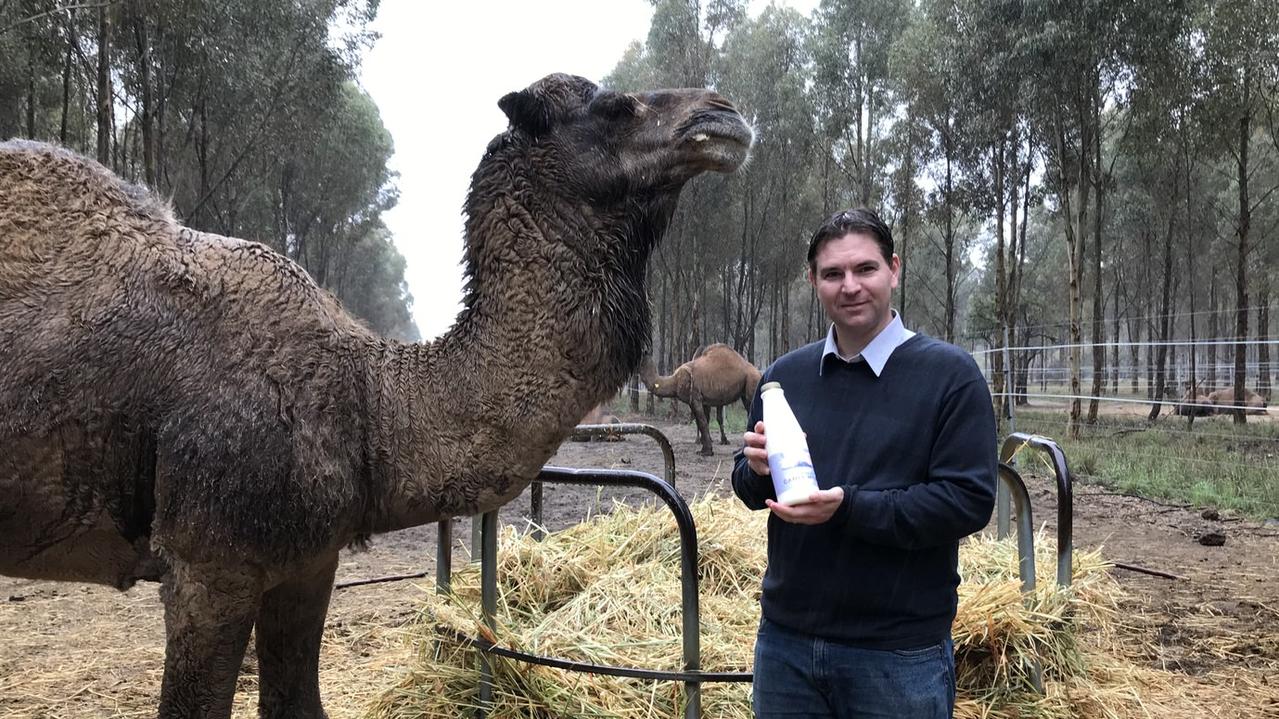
[788,458]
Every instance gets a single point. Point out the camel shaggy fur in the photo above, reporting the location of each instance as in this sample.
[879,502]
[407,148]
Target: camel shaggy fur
[715,377]
[194,409]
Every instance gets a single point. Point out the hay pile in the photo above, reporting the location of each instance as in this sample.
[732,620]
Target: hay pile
[607,591]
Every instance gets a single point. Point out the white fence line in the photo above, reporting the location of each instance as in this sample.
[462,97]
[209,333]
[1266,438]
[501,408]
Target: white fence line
[1112,345]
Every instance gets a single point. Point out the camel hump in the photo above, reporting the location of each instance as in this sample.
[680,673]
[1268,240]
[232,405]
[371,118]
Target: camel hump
[68,189]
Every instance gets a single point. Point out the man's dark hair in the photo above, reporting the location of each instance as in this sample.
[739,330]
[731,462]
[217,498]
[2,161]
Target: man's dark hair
[858,220]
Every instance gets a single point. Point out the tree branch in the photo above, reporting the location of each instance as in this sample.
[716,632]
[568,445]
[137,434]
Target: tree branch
[55,11]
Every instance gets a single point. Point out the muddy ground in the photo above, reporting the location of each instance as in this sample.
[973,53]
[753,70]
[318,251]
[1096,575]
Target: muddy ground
[80,651]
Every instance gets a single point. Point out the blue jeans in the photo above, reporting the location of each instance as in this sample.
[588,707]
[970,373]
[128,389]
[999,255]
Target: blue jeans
[797,675]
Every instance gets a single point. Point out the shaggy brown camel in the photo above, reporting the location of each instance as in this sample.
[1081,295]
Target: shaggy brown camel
[717,376]
[194,409]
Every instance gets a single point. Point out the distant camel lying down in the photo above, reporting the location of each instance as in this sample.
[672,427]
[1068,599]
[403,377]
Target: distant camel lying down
[1224,402]
[194,409]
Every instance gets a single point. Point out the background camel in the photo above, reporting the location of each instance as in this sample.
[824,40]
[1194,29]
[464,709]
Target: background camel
[600,414]
[717,376]
[1224,401]
[194,409]
[1194,403]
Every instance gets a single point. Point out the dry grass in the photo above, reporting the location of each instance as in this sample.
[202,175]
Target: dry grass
[607,591]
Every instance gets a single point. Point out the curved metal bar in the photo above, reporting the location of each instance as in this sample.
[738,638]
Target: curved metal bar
[585,432]
[444,556]
[1011,480]
[1025,526]
[488,647]
[1065,496]
[593,431]
[688,563]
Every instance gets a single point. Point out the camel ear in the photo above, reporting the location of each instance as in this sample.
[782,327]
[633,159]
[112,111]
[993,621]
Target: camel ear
[526,111]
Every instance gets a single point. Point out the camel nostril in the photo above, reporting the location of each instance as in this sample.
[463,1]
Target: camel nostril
[719,103]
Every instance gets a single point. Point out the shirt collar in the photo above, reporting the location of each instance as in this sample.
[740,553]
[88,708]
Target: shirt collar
[876,353]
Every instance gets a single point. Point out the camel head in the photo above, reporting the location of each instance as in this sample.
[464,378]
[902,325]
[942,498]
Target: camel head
[567,206]
[611,146]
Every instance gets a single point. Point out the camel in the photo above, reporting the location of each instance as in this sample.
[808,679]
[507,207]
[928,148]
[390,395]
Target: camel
[194,409]
[600,414]
[715,377]
[1223,401]
[1194,403]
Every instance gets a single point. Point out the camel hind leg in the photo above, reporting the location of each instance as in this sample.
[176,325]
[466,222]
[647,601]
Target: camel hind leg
[288,633]
[208,614]
[719,417]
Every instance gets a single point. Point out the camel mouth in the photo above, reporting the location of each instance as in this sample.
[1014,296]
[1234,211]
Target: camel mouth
[723,139]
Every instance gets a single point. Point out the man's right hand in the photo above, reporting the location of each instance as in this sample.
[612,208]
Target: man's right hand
[754,452]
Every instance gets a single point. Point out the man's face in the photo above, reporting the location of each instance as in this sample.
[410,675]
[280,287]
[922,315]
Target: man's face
[855,285]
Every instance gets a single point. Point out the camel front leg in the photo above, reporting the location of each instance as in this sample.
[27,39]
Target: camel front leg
[208,614]
[289,630]
[703,428]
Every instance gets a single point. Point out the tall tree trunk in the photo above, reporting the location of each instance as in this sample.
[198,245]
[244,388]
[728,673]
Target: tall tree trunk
[1115,329]
[949,318]
[104,86]
[1018,274]
[66,93]
[1241,279]
[145,111]
[1161,354]
[1191,273]
[1098,310]
[32,42]
[1263,337]
[1075,243]
[1214,327]
[1134,354]
[1000,372]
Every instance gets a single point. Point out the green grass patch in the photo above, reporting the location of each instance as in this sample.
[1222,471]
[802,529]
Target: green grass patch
[1214,463]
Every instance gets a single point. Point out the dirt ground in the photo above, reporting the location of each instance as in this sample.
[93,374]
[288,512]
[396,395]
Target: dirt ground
[79,651]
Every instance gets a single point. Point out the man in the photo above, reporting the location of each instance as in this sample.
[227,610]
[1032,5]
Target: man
[860,590]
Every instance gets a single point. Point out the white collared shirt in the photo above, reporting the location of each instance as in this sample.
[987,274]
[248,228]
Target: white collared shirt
[876,353]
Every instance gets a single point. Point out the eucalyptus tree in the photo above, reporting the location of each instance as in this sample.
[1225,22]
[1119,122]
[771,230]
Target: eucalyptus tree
[1070,50]
[764,67]
[1239,45]
[929,77]
[852,86]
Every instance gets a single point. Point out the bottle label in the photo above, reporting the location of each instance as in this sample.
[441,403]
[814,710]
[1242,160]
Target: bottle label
[791,468]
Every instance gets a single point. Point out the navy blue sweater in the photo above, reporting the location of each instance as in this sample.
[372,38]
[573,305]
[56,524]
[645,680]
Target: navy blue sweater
[915,451]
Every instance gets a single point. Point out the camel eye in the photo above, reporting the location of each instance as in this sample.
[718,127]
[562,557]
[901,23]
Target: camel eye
[614,105]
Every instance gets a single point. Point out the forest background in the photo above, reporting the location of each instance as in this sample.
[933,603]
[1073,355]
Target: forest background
[1090,183]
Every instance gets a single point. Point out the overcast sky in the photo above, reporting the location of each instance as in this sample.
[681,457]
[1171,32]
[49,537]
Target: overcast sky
[436,75]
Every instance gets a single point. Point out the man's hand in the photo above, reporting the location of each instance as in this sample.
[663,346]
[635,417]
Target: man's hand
[822,506]
[754,452]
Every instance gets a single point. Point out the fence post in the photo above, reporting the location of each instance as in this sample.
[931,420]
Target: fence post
[1002,501]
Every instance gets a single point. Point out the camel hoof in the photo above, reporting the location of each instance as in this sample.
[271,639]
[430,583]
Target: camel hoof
[707,452]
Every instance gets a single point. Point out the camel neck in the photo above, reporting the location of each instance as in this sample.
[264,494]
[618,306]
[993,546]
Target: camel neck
[462,424]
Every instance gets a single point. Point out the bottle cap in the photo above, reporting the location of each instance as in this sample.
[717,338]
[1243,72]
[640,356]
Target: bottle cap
[770,385]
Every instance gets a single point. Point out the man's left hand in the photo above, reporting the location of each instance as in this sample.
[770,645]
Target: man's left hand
[820,507]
